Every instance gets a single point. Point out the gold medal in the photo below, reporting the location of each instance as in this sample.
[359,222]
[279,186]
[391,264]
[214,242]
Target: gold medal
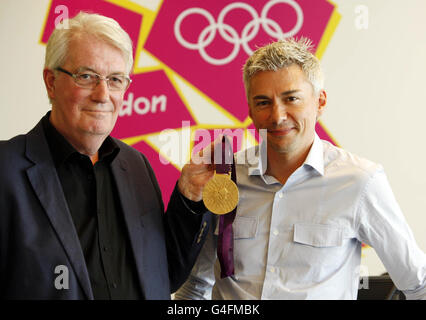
[220,194]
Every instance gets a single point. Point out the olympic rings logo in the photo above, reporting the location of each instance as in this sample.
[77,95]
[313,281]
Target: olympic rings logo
[230,35]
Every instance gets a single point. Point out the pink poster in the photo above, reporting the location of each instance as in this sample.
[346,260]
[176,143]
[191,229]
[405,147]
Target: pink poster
[188,60]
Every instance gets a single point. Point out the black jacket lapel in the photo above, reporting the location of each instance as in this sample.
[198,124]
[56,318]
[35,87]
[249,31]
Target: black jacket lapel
[46,184]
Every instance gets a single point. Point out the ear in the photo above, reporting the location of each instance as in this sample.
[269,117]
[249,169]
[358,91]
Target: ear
[322,101]
[49,81]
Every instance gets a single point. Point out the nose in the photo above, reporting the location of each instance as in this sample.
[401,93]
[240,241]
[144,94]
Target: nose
[100,92]
[278,112]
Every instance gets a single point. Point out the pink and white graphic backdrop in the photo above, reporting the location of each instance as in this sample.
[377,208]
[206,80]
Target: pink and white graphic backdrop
[188,60]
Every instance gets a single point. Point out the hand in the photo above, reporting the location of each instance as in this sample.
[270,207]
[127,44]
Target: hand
[197,173]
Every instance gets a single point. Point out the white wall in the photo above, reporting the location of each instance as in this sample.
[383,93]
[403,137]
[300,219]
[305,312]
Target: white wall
[374,80]
[23,98]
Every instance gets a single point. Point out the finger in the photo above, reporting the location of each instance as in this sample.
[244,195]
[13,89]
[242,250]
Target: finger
[205,155]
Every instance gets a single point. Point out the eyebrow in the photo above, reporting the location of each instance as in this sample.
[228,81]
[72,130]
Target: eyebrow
[260,97]
[285,93]
[84,68]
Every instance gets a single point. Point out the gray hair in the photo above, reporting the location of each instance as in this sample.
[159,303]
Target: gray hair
[102,27]
[281,54]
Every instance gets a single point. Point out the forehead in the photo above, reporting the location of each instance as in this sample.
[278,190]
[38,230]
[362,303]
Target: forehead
[284,79]
[88,51]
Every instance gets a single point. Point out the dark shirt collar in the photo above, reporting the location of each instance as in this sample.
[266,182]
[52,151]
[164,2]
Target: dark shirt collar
[61,149]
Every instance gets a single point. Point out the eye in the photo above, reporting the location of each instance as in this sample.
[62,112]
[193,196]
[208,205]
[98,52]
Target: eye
[117,79]
[86,76]
[261,103]
[292,99]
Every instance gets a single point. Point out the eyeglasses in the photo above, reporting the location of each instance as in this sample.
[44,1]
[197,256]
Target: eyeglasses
[89,80]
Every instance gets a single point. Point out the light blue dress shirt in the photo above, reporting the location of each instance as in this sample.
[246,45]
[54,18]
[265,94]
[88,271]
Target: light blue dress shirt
[302,240]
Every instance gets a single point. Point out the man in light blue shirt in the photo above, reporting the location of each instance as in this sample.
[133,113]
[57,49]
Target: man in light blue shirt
[305,209]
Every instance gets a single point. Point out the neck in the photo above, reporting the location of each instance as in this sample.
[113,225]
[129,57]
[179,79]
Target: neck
[281,165]
[94,158]
[87,144]
[88,147]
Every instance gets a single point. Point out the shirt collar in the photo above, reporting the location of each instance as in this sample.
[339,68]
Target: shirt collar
[254,158]
[258,164]
[315,158]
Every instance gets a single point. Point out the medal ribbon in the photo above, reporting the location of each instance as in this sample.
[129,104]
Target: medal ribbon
[225,243]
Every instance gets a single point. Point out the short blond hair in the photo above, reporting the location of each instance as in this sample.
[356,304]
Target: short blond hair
[281,54]
[104,28]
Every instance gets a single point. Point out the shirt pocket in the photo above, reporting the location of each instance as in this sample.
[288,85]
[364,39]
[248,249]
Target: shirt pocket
[242,227]
[314,253]
[318,235]
[245,227]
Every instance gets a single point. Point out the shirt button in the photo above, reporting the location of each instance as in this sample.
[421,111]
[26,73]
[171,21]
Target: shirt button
[280,195]
[276,232]
[272,269]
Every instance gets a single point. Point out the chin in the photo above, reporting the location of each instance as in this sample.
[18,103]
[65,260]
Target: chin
[98,130]
[100,126]
[282,147]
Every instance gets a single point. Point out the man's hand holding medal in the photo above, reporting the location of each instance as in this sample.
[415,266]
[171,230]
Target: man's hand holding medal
[210,176]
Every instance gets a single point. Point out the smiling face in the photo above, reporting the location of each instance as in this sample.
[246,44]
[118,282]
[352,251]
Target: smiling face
[82,114]
[284,103]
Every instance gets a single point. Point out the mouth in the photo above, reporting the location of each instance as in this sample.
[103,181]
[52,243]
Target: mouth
[280,132]
[97,111]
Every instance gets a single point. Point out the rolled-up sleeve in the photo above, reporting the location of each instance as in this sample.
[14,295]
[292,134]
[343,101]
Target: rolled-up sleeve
[383,226]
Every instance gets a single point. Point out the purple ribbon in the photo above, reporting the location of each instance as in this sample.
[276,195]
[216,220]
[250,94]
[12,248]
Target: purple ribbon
[225,243]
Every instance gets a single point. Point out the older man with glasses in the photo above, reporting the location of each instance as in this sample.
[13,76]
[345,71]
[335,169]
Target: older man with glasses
[81,212]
